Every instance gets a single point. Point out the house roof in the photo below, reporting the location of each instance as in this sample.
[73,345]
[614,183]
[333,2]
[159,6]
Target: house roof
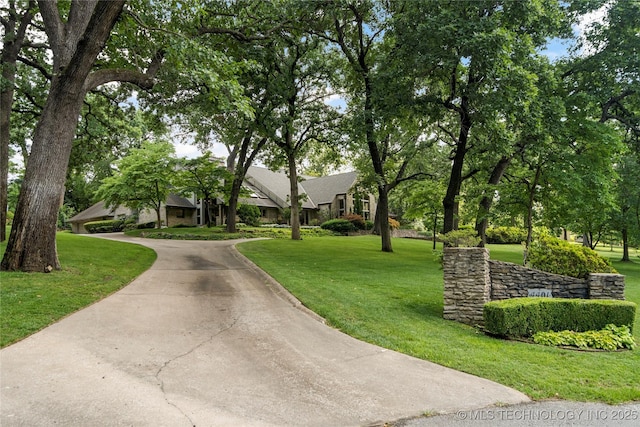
[97,211]
[275,185]
[175,201]
[100,211]
[323,190]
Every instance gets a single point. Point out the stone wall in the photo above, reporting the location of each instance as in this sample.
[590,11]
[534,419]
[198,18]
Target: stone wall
[514,281]
[467,284]
[471,280]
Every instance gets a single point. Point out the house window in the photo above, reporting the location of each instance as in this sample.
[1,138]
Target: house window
[365,210]
[179,213]
[342,206]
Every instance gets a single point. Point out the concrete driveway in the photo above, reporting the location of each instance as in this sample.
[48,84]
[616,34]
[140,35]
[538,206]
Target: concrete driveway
[204,338]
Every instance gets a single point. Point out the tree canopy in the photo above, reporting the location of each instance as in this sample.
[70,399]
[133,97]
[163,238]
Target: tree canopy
[449,100]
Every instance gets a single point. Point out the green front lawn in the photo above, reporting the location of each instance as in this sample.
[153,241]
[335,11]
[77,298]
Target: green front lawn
[395,300]
[91,270]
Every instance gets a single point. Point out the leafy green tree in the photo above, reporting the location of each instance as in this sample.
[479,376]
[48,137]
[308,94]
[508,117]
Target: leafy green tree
[77,33]
[627,217]
[300,115]
[143,179]
[15,24]
[473,58]
[205,177]
[360,34]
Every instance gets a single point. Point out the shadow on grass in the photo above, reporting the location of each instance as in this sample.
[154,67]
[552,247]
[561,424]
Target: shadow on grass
[425,309]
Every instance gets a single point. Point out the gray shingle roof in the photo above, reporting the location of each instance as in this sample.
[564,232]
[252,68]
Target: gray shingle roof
[318,190]
[97,211]
[275,185]
[324,189]
[175,201]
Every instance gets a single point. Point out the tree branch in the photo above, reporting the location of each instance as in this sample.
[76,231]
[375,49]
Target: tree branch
[35,65]
[52,25]
[142,80]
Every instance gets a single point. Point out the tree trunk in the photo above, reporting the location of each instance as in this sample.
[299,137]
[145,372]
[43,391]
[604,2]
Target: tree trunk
[625,245]
[293,196]
[159,217]
[32,243]
[232,209]
[482,219]
[529,220]
[383,211]
[450,203]
[10,50]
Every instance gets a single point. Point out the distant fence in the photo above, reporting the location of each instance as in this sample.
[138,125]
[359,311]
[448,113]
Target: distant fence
[471,279]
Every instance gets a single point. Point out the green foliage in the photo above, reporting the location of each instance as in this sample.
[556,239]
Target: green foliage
[356,220]
[143,178]
[461,238]
[506,235]
[610,338]
[557,256]
[106,226]
[524,317]
[341,226]
[219,233]
[249,214]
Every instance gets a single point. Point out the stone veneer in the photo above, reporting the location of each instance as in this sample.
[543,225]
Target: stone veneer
[471,280]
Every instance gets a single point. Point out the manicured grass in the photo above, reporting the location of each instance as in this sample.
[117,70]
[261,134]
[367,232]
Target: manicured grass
[91,269]
[396,300]
[219,233]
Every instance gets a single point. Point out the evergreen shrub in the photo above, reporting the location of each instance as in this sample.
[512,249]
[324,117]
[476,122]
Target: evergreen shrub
[341,226]
[557,256]
[106,226]
[463,237]
[524,317]
[249,214]
[506,235]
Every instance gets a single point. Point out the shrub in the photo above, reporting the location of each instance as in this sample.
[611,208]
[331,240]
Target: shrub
[506,235]
[355,219]
[338,226]
[524,317]
[249,214]
[557,256]
[393,224]
[107,226]
[368,225]
[464,237]
[610,338]
[144,225]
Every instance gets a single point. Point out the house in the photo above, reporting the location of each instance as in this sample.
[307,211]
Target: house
[175,211]
[323,198]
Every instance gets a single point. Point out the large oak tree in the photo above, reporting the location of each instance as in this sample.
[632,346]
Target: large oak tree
[76,38]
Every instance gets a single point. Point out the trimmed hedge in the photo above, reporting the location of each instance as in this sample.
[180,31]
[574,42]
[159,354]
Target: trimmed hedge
[338,226]
[524,317]
[107,226]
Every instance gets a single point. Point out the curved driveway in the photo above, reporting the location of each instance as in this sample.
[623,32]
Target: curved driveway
[203,338]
